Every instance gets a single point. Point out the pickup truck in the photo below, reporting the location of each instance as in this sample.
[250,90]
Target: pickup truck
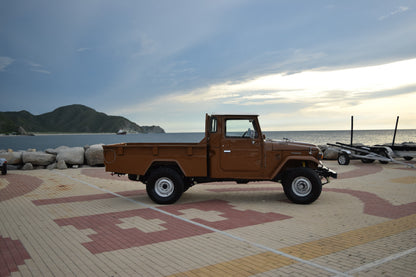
[233,149]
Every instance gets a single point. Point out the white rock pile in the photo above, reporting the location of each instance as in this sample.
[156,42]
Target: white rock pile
[61,158]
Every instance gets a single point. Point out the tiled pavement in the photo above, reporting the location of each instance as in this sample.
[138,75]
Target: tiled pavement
[85,222]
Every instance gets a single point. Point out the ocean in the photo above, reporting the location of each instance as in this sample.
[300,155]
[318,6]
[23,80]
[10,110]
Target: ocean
[43,142]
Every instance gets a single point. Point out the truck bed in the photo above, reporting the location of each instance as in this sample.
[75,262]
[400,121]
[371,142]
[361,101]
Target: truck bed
[136,158]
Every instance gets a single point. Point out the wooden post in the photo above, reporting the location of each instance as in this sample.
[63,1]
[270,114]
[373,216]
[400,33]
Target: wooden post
[395,130]
[352,129]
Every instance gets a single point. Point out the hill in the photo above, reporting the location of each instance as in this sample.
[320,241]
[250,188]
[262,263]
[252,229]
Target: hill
[70,119]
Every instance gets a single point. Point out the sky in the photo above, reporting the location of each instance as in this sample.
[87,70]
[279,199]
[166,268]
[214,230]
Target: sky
[299,65]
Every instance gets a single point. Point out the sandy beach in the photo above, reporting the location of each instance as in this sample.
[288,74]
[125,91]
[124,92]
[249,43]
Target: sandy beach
[85,222]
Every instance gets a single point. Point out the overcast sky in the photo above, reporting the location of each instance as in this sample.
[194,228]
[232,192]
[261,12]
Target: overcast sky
[300,65]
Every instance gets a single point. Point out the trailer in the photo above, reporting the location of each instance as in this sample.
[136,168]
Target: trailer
[406,151]
[367,154]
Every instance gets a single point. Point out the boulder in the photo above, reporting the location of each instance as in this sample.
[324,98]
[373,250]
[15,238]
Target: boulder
[61,165]
[56,150]
[27,166]
[331,154]
[38,158]
[51,166]
[71,155]
[95,155]
[12,157]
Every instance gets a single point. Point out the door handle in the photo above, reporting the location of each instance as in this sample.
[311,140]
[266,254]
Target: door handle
[227,151]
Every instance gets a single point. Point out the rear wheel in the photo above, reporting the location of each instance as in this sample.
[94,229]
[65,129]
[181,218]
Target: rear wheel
[165,185]
[367,161]
[384,154]
[302,185]
[408,158]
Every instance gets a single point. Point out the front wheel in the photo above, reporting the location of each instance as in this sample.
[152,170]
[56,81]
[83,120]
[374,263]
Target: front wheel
[165,185]
[302,185]
[343,159]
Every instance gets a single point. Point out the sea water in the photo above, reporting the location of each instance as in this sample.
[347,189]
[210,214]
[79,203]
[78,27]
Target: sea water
[43,142]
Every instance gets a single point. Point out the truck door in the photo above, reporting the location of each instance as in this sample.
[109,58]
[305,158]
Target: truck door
[241,147]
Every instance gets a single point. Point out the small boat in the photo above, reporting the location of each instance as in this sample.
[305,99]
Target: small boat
[121,132]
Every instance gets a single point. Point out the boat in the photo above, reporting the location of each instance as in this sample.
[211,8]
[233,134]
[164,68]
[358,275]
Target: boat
[121,132]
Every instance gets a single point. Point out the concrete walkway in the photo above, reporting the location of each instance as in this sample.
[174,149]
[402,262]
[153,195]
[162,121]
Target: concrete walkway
[85,222]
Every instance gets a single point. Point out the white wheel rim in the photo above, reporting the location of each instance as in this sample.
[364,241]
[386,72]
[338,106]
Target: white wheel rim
[301,186]
[342,159]
[164,187]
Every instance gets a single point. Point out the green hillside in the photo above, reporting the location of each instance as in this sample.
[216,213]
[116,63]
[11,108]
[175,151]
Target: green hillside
[70,119]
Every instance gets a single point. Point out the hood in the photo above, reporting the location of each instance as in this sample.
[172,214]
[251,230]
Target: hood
[291,145]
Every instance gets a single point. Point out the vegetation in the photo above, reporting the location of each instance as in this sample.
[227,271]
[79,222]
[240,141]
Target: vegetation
[70,119]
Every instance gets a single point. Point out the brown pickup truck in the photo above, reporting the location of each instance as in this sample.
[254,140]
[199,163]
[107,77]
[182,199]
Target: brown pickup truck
[234,149]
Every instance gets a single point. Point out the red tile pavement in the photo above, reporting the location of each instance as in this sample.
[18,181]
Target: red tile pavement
[111,236]
[375,205]
[12,254]
[90,197]
[18,185]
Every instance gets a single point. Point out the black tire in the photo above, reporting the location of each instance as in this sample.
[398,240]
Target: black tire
[343,159]
[4,169]
[132,177]
[367,161]
[384,154]
[165,185]
[408,158]
[302,185]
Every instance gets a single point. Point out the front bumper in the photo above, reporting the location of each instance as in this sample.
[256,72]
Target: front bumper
[325,172]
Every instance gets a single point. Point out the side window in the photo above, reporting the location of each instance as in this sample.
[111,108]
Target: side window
[214,125]
[240,128]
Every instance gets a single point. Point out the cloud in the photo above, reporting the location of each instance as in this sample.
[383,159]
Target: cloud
[83,49]
[319,95]
[397,11]
[5,62]
[43,71]
[353,83]
[35,67]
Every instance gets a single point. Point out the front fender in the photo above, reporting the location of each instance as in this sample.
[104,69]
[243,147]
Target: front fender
[288,159]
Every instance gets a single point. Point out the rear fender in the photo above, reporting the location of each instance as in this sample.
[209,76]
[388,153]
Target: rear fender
[164,163]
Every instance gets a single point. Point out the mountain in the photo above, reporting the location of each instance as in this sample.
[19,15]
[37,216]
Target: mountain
[70,119]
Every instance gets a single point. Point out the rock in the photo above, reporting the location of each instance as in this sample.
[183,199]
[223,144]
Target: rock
[331,154]
[56,150]
[71,155]
[95,155]
[12,157]
[27,166]
[13,167]
[38,158]
[51,166]
[21,131]
[61,165]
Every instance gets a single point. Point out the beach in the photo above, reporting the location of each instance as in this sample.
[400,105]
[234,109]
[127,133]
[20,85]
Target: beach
[85,222]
